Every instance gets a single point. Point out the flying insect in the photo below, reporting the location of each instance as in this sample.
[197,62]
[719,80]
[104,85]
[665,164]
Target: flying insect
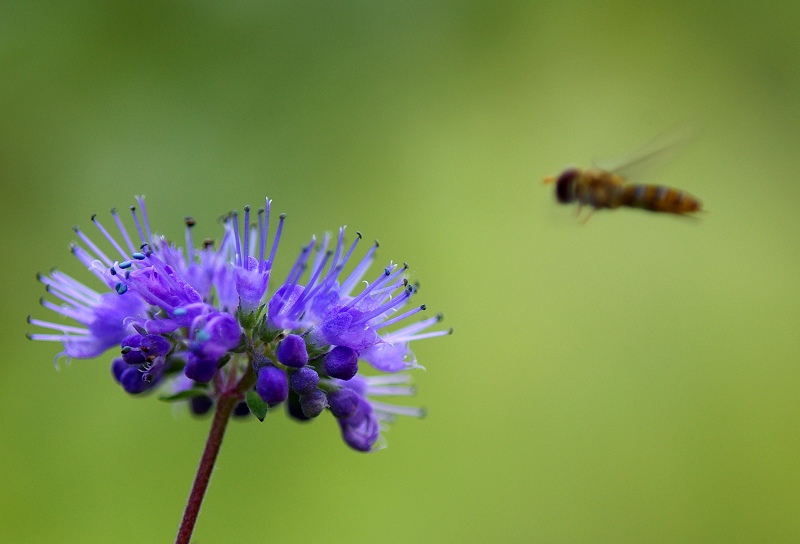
[600,189]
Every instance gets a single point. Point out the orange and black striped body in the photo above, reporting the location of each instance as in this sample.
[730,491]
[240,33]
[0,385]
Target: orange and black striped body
[602,189]
[658,198]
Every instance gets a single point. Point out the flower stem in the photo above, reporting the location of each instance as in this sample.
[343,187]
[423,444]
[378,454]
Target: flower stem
[225,406]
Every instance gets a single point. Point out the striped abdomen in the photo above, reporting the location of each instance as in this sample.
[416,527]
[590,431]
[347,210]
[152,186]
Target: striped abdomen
[657,198]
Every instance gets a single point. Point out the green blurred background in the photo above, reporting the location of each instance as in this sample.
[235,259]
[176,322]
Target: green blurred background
[635,379]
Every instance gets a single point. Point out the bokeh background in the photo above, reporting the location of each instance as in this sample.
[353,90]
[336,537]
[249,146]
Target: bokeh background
[635,379]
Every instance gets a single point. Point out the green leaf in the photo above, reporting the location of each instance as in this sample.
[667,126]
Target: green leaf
[183,395]
[256,405]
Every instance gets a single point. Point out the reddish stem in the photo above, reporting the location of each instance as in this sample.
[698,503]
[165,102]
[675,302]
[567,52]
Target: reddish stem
[225,406]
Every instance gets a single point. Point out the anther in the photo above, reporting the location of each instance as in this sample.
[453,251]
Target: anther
[138,256]
[360,236]
[125,350]
[120,288]
[423,307]
[189,221]
[94,216]
[125,264]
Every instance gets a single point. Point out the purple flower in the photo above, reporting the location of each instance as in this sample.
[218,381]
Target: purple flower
[251,274]
[204,321]
[360,418]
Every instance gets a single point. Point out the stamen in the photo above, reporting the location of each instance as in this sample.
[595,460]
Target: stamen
[235,220]
[277,238]
[308,291]
[300,264]
[392,390]
[387,275]
[48,337]
[413,328]
[246,235]
[57,326]
[434,334]
[138,225]
[70,297]
[263,229]
[400,317]
[393,409]
[189,222]
[387,379]
[385,307]
[358,272]
[122,229]
[97,251]
[61,280]
[66,311]
[140,200]
[108,236]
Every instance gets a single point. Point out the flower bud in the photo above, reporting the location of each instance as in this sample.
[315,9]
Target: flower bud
[200,370]
[343,403]
[313,403]
[200,405]
[341,362]
[304,381]
[272,385]
[292,351]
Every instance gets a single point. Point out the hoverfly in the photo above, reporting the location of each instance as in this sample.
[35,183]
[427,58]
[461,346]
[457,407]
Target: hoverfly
[599,188]
[602,189]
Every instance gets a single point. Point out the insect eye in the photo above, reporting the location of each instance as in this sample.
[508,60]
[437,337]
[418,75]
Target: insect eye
[565,185]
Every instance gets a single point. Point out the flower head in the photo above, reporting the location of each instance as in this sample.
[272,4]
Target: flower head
[203,320]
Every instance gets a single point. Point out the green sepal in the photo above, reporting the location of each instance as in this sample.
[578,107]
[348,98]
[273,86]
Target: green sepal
[223,360]
[266,332]
[256,405]
[174,365]
[247,320]
[184,395]
[314,350]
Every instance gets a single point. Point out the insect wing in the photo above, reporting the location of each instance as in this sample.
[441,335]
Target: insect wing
[639,167]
